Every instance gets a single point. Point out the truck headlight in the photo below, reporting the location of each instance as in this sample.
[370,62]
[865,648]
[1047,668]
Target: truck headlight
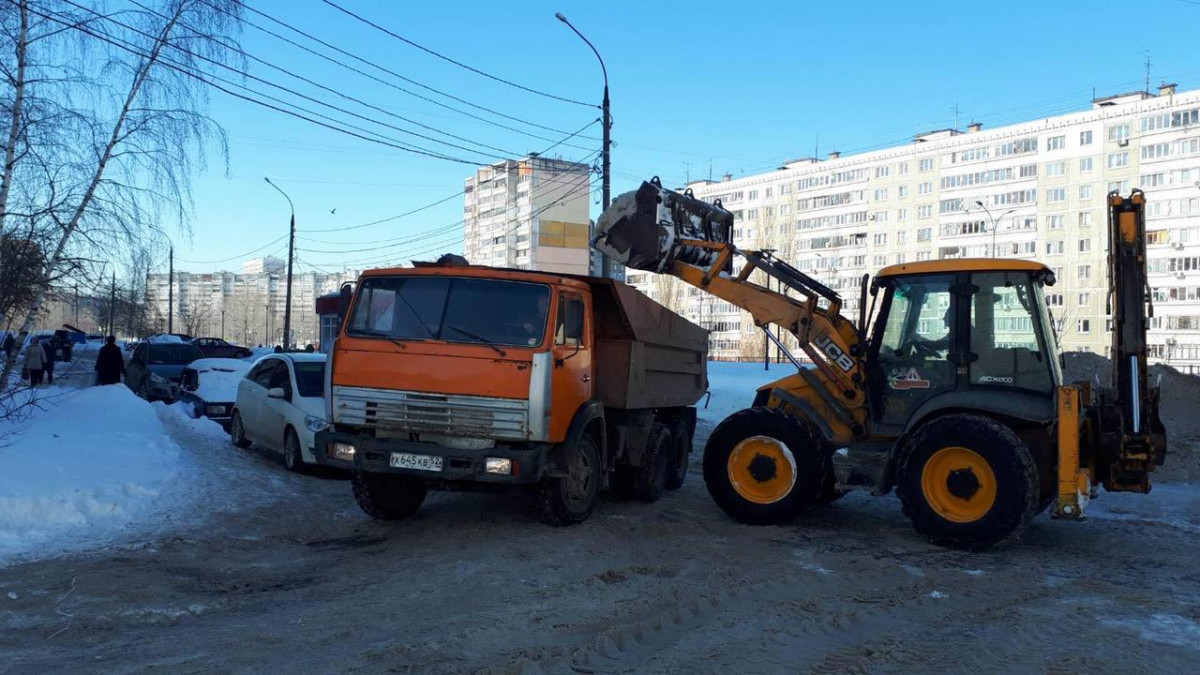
[314,424]
[499,465]
[215,410]
[342,451]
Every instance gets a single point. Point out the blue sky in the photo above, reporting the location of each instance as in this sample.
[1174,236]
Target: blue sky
[743,85]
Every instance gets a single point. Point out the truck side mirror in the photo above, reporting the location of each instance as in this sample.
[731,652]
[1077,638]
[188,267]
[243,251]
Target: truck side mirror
[344,296]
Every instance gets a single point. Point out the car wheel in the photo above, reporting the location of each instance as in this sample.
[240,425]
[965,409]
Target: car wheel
[237,431]
[293,460]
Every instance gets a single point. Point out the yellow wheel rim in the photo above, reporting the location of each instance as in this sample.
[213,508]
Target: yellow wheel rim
[958,484]
[761,470]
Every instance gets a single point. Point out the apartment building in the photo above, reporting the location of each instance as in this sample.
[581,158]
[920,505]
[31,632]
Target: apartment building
[246,307]
[1034,190]
[530,213]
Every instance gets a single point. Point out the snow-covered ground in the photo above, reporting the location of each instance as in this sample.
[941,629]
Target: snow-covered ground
[86,466]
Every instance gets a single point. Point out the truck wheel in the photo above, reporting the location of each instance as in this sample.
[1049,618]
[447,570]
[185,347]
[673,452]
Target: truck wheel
[570,499]
[293,458]
[681,440]
[968,482]
[764,467]
[387,496]
[658,462]
[237,431]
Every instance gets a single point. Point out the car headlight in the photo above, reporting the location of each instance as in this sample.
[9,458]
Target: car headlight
[314,424]
[159,380]
[214,410]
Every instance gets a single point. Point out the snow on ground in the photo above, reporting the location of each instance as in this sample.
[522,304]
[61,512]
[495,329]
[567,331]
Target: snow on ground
[87,465]
[733,386]
[219,378]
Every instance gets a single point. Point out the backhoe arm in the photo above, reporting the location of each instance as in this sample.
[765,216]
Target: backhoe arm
[659,230]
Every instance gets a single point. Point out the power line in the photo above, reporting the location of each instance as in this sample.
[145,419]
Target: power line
[242,255]
[393,73]
[286,89]
[450,60]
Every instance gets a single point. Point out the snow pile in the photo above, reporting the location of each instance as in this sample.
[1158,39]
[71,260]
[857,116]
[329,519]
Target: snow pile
[180,415]
[81,469]
[733,386]
[219,378]
[164,339]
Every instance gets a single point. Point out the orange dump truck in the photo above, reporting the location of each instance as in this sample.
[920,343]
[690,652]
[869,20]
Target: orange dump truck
[460,377]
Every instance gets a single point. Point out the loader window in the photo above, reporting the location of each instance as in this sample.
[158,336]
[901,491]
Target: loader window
[917,335]
[1008,343]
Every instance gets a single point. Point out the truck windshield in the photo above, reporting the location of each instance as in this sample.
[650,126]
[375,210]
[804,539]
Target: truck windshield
[452,309]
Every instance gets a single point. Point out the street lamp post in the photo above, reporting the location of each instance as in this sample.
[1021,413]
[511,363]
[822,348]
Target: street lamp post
[606,141]
[287,309]
[995,221]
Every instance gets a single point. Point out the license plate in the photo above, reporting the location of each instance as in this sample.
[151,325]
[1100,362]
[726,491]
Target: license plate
[406,460]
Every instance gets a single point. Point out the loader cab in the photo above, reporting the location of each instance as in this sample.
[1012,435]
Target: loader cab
[966,333]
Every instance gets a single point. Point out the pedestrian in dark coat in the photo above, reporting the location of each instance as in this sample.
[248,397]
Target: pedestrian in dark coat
[48,366]
[110,365]
[9,343]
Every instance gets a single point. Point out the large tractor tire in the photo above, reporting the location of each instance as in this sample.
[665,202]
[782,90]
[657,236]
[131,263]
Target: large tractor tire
[651,478]
[571,498]
[967,482]
[764,467]
[681,440]
[387,496]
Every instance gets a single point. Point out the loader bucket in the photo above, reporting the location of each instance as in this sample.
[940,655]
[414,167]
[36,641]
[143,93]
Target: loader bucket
[643,229]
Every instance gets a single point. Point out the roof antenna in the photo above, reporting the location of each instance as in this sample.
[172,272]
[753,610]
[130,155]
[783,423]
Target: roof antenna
[817,148]
[1147,71]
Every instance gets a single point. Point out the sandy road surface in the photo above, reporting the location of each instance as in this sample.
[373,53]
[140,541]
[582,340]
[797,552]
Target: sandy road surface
[291,577]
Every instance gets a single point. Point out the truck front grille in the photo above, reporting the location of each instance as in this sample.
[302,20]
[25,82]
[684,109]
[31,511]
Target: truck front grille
[391,412]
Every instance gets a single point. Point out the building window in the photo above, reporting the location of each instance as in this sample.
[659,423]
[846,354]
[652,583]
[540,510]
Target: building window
[901,258]
[925,211]
[1084,326]
[1085,191]
[1119,186]
[902,168]
[881,194]
[903,191]
[753,194]
[1085,219]
[1085,138]
[1085,165]
[923,255]
[901,237]
[924,188]
[1056,168]
[1117,160]
[925,165]
[880,260]
[1118,132]
[901,214]
[882,171]
[1056,142]
[1085,245]
[881,239]
[1054,300]
[1083,272]
[1084,299]
[924,234]
[1056,195]
[1054,248]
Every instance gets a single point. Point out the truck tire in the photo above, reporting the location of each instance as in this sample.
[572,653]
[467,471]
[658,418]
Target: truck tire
[967,482]
[387,496]
[658,463]
[681,440]
[764,467]
[237,431]
[570,499]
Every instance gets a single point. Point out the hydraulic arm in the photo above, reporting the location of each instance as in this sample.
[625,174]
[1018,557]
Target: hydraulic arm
[662,231]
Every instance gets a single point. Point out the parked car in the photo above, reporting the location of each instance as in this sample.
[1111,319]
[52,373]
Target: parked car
[210,387]
[216,348]
[154,370]
[280,405]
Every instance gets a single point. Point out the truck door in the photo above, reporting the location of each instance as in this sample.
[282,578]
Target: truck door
[571,383]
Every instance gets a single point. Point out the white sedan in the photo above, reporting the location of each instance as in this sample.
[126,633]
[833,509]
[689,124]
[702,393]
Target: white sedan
[280,405]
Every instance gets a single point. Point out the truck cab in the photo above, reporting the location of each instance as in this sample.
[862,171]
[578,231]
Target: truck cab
[465,377]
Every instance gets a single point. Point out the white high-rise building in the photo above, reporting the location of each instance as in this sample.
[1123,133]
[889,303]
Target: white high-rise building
[530,213]
[1034,190]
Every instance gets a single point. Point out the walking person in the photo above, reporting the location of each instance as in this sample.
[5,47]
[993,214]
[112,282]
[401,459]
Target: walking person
[110,365]
[35,362]
[48,349]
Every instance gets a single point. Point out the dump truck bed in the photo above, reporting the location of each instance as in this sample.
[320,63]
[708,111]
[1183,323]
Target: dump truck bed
[646,355]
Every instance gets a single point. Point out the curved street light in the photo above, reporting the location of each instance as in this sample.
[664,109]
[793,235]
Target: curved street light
[979,203]
[287,308]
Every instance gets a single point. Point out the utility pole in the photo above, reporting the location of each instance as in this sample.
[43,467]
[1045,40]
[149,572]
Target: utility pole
[606,266]
[222,324]
[112,306]
[171,291]
[287,308]
[267,313]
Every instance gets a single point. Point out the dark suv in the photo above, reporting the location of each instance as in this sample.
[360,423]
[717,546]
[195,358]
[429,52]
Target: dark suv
[154,370]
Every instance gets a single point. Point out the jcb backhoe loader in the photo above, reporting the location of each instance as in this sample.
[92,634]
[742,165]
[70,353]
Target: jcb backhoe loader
[954,397]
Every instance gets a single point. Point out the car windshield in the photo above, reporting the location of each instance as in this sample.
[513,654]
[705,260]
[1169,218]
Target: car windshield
[453,309]
[310,378]
[173,355]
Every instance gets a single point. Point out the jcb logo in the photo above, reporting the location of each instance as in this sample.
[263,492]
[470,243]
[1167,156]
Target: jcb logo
[834,352]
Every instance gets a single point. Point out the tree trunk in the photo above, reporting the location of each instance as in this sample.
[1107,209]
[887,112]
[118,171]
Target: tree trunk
[85,202]
[14,128]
